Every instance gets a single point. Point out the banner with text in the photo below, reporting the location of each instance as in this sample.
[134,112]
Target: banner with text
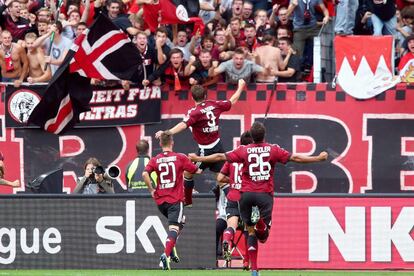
[110,106]
[370,142]
[100,233]
[340,233]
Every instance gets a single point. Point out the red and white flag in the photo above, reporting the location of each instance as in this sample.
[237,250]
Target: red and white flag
[365,65]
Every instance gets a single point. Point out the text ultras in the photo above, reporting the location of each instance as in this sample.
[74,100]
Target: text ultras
[118,103]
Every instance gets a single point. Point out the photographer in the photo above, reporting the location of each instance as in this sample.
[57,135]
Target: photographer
[94,181]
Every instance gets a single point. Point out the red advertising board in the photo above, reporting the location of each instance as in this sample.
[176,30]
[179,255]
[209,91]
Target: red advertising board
[340,233]
[370,142]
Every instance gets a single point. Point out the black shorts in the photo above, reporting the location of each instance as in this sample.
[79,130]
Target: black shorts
[174,212]
[232,209]
[262,200]
[214,167]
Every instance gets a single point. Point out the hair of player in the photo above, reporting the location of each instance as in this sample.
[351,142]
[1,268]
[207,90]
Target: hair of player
[166,139]
[142,147]
[258,132]
[198,93]
[246,138]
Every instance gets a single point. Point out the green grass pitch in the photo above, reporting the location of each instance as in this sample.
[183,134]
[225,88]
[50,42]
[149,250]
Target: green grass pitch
[218,272]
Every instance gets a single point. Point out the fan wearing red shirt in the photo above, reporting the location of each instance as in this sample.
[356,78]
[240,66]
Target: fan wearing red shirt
[169,193]
[256,202]
[204,122]
[230,175]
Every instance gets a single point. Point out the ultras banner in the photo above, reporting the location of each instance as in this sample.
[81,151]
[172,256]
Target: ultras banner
[100,233]
[340,233]
[110,106]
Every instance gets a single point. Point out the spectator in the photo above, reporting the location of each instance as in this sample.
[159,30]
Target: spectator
[235,12]
[161,48]
[113,9]
[13,22]
[268,56]
[207,43]
[58,48]
[363,24]
[247,16]
[3,181]
[180,41]
[262,22]
[36,57]
[239,68]
[135,168]
[404,24]
[42,27]
[409,55]
[74,18]
[304,21]
[80,28]
[283,31]
[250,42]
[172,72]
[93,181]
[345,17]
[207,10]
[384,19]
[44,15]
[290,60]
[198,69]
[222,39]
[236,34]
[13,60]
[281,20]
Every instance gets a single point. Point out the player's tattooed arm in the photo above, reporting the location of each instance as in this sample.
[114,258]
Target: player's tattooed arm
[235,97]
[176,129]
[210,158]
[298,158]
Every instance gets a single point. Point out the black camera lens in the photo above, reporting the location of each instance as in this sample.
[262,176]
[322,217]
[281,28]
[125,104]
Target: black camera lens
[99,170]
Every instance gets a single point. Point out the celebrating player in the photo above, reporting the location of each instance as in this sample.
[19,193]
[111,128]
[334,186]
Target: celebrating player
[231,173]
[203,120]
[256,203]
[169,193]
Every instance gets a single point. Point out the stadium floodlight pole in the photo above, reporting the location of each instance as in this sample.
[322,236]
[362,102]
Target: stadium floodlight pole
[52,37]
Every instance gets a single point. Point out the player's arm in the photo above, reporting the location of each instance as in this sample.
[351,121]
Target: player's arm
[176,129]
[298,158]
[209,159]
[15,183]
[148,182]
[235,97]
[222,178]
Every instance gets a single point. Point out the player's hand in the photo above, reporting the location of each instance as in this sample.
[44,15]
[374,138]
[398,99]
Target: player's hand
[323,156]
[152,193]
[193,157]
[158,134]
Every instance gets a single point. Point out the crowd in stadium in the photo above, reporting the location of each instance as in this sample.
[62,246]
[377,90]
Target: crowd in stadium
[235,41]
[255,41]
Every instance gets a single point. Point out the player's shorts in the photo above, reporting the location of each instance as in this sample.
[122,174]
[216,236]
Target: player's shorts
[262,200]
[232,209]
[214,167]
[174,212]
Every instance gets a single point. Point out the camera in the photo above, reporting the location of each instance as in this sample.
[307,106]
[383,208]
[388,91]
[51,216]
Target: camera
[111,172]
[306,17]
[98,170]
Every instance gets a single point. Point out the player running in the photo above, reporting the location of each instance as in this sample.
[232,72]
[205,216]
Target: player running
[258,161]
[203,119]
[169,193]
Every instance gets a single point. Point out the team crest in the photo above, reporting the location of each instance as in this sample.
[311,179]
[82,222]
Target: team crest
[21,104]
